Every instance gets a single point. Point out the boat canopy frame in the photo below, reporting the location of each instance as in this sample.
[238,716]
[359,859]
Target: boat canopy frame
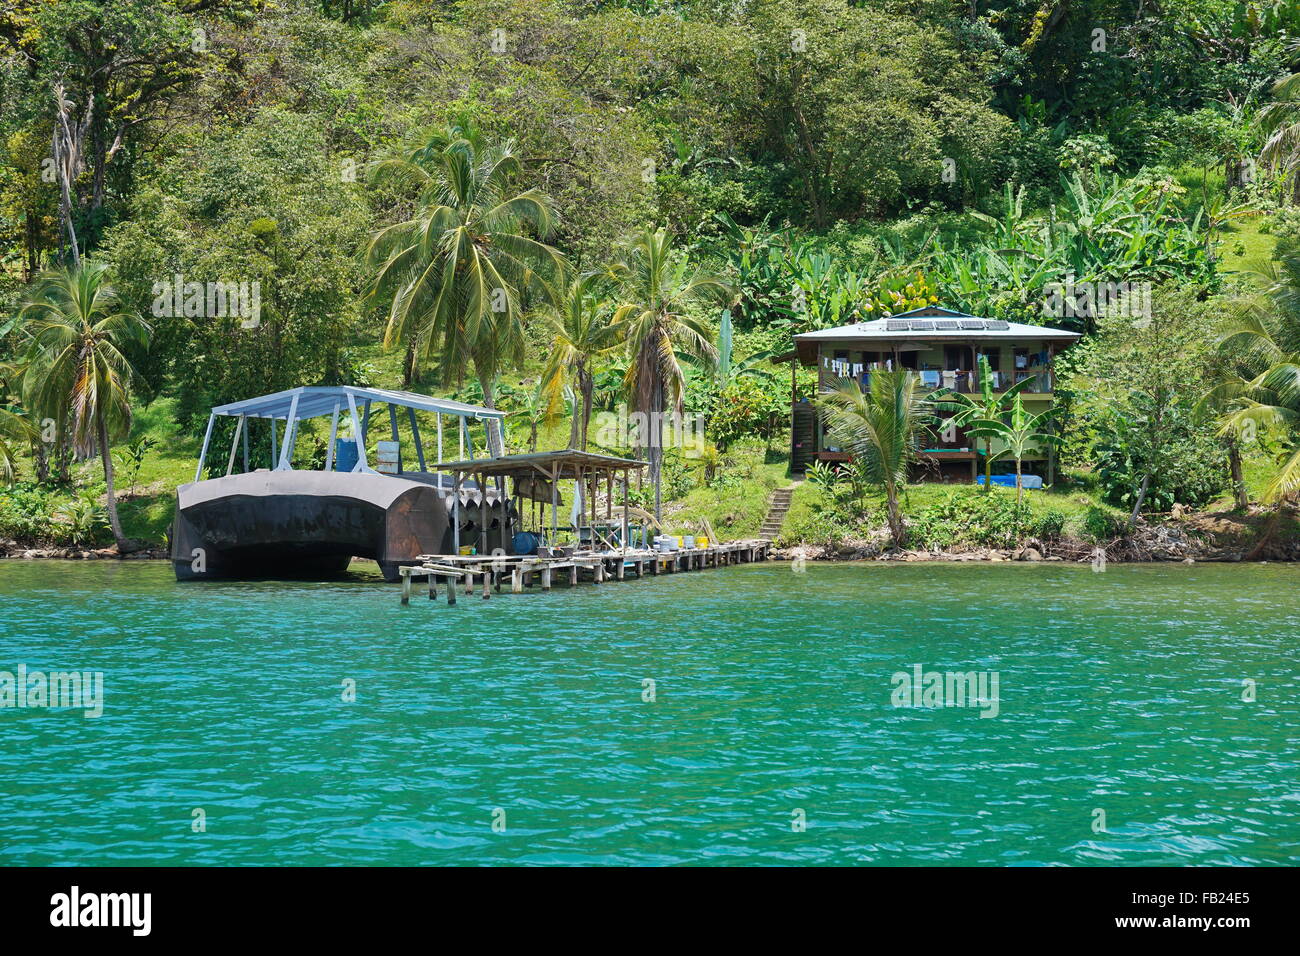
[314,401]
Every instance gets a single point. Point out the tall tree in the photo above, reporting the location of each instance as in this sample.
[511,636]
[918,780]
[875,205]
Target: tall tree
[658,288]
[881,427]
[75,369]
[1279,118]
[583,334]
[457,274]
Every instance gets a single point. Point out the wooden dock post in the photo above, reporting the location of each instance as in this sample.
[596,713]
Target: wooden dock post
[573,575]
[406,584]
[622,568]
[546,577]
[516,581]
[433,586]
[487,583]
[451,590]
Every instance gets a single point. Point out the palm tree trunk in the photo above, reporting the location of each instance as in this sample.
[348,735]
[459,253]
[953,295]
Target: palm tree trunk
[1238,482]
[488,384]
[655,453]
[574,425]
[106,455]
[896,530]
[587,388]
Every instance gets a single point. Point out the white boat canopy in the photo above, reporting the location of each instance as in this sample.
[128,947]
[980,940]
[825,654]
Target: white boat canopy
[308,401]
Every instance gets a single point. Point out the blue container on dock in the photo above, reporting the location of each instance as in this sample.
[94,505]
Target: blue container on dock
[525,542]
[345,454]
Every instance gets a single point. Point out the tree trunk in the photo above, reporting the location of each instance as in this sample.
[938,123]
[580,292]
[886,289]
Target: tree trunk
[896,530]
[587,387]
[1137,505]
[1238,482]
[574,424]
[495,445]
[1020,491]
[106,455]
[655,453]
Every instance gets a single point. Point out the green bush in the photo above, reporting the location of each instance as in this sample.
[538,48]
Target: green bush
[27,514]
[971,517]
[1101,525]
[1049,525]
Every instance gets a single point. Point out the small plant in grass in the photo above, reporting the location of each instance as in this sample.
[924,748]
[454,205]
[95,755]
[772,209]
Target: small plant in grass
[130,460]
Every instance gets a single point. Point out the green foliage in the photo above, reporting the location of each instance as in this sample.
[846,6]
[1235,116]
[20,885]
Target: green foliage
[1192,468]
[27,513]
[971,518]
[80,520]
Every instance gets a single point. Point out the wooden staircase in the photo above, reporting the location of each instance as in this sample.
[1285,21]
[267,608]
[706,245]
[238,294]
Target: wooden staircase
[802,425]
[776,511]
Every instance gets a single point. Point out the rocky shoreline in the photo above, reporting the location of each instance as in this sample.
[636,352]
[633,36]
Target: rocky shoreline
[14,550]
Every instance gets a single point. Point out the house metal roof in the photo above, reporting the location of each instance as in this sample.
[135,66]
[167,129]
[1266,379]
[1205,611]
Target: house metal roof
[316,400]
[929,324]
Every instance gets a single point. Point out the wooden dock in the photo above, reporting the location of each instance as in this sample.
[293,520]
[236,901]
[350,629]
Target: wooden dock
[489,572]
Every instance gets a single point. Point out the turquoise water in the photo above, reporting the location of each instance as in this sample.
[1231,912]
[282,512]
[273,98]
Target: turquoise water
[1119,692]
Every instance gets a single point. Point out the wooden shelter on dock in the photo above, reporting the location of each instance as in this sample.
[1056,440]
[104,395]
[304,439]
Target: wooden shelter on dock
[537,478]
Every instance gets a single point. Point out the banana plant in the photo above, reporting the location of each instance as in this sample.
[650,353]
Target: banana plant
[1021,434]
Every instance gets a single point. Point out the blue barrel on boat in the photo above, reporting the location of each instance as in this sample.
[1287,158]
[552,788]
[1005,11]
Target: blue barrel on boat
[525,542]
[345,454]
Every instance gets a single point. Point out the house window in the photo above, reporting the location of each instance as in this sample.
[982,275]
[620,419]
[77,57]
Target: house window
[994,356]
[955,358]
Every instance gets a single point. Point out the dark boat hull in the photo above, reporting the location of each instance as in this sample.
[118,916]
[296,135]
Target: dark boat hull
[285,524]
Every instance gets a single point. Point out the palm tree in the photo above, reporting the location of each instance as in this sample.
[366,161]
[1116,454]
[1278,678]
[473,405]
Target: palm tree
[1020,434]
[454,276]
[76,369]
[881,427]
[13,429]
[658,288]
[1280,121]
[990,406]
[583,333]
[1266,343]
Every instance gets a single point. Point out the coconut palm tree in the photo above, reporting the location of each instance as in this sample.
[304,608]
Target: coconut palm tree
[582,335]
[991,405]
[658,287]
[75,367]
[455,275]
[14,428]
[882,428]
[1280,121]
[1266,343]
[1020,433]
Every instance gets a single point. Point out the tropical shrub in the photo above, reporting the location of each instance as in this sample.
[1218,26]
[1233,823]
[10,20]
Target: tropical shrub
[970,517]
[27,513]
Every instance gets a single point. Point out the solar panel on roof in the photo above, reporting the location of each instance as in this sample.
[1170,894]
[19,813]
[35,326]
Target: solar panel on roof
[946,326]
[972,324]
[918,326]
[894,325]
[996,326]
